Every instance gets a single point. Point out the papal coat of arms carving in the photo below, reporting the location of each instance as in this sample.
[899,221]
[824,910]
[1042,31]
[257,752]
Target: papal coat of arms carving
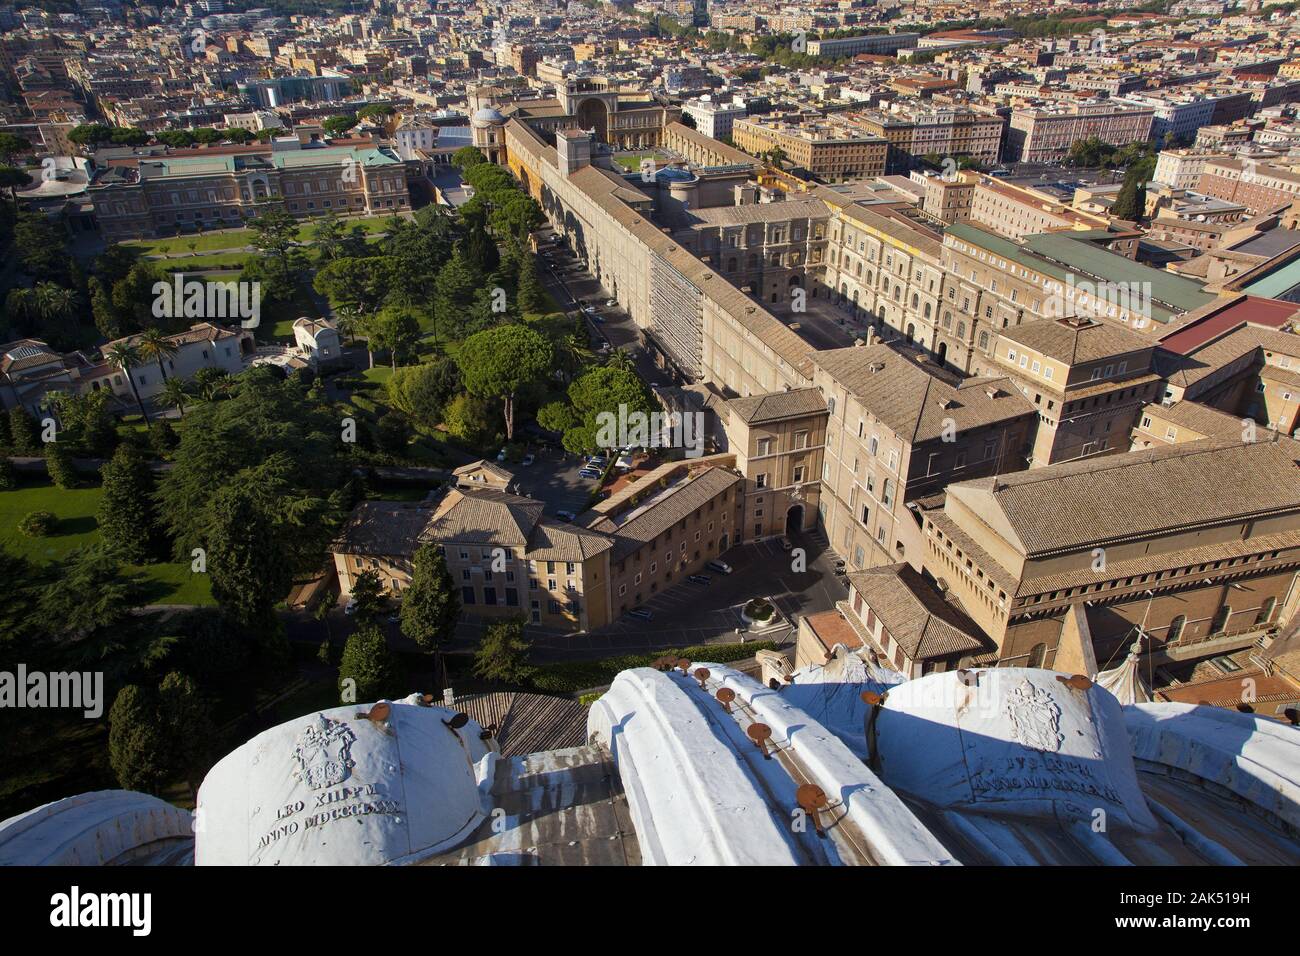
[324,753]
[1035,717]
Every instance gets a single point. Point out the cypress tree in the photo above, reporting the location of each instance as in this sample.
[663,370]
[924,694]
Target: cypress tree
[127,520]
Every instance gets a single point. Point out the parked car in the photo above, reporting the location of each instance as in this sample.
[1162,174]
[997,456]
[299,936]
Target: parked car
[699,578]
[501,455]
[611,303]
[598,319]
[589,309]
[624,463]
[565,515]
[786,544]
[590,475]
[527,460]
[350,607]
[722,567]
[644,613]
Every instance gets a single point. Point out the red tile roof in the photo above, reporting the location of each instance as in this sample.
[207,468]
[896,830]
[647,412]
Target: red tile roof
[1271,313]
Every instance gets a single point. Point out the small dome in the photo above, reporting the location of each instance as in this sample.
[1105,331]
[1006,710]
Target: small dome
[336,787]
[488,116]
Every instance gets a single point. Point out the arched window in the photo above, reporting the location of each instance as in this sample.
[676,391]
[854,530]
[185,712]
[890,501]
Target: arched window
[1266,611]
[911,332]
[1037,654]
[1176,628]
[927,310]
[984,340]
[916,301]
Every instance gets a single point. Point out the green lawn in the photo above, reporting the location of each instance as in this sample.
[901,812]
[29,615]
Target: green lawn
[215,261]
[632,161]
[75,509]
[239,238]
[205,242]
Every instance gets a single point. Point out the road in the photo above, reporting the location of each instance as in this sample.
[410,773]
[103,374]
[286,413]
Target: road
[571,285]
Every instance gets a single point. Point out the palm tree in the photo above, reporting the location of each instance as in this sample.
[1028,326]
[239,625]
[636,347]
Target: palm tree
[210,383]
[154,347]
[620,359]
[125,355]
[176,393]
[571,354]
[347,319]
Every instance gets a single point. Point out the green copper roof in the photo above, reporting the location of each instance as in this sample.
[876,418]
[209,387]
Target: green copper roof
[1065,257]
[1277,283]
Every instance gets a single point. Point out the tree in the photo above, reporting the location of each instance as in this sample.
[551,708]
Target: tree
[125,356]
[8,476]
[398,331]
[338,125]
[90,134]
[126,517]
[393,433]
[467,157]
[421,391]
[58,462]
[503,654]
[156,737]
[1130,203]
[162,437]
[107,321]
[275,234]
[430,606]
[187,728]
[48,309]
[91,599]
[594,397]
[497,363]
[13,179]
[471,419]
[154,346]
[175,392]
[11,147]
[368,662]
[249,574]
[454,291]
[531,296]
[23,437]
[137,743]
[369,594]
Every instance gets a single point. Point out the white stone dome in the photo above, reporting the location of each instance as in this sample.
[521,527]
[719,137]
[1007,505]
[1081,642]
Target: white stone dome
[487,116]
[335,787]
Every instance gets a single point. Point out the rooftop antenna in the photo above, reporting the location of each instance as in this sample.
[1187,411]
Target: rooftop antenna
[685,665]
[377,714]
[701,675]
[725,696]
[457,721]
[812,798]
[759,733]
